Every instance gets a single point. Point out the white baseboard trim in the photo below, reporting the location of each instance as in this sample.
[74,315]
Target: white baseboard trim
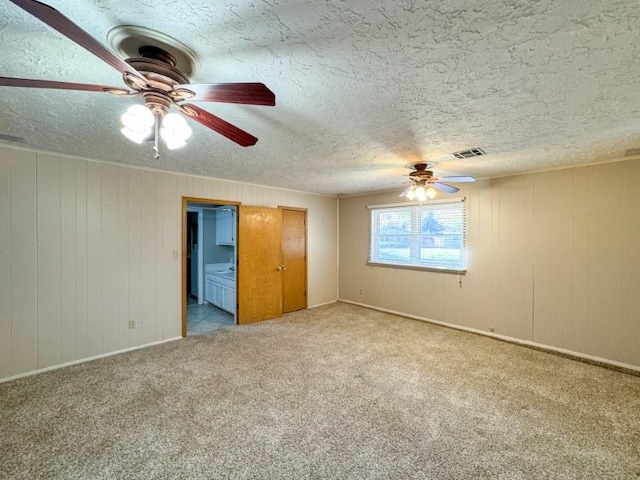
[603,362]
[323,304]
[83,360]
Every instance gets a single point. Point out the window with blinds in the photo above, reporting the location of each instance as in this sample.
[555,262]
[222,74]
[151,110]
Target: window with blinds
[429,236]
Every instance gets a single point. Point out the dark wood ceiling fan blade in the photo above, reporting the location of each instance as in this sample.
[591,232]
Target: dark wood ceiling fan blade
[219,125]
[66,27]
[29,83]
[245,93]
[444,187]
[463,179]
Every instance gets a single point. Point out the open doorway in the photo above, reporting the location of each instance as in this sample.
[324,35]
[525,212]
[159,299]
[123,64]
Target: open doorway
[209,275]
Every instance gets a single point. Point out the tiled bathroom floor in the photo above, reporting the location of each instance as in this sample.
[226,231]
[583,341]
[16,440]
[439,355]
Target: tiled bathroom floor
[206,318]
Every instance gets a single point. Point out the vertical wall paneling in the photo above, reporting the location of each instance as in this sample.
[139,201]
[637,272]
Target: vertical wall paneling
[580,259]
[172,227]
[48,248]
[5,264]
[123,259]
[494,295]
[251,194]
[221,190]
[160,257]
[216,190]
[209,190]
[94,260]
[566,245]
[24,284]
[134,256]
[514,268]
[148,256]
[487,258]
[529,255]
[229,191]
[82,268]
[68,260]
[182,190]
[198,191]
[109,257]
[505,314]
[522,233]
[471,279]
[550,250]
[605,269]
[189,187]
[630,332]
[351,246]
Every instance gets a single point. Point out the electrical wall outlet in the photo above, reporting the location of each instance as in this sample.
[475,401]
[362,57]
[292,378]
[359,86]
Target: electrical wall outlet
[361,291]
[132,324]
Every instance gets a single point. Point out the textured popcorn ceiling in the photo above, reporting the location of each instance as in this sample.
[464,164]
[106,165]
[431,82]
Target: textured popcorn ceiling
[362,88]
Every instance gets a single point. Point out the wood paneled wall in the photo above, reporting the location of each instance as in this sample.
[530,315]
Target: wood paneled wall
[554,258]
[87,246]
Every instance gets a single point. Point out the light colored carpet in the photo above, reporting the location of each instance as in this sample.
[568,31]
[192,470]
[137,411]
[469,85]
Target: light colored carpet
[334,392]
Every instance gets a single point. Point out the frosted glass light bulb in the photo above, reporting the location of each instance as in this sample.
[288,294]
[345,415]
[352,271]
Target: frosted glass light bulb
[137,137]
[172,121]
[172,145]
[174,131]
[137,118]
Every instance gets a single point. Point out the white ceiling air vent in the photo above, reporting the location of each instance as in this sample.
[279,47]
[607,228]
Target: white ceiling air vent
[471,152]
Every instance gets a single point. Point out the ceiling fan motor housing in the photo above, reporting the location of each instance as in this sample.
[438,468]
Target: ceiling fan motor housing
[158,68]
[421,174]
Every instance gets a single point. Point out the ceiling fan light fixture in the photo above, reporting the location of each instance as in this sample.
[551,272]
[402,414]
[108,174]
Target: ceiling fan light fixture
[136,137]
[421,193]
[137,122]
[175,144]
[411,194]
[175,131]
[137,118]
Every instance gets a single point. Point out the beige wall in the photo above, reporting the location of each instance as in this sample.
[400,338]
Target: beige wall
[554,258]
[86,246]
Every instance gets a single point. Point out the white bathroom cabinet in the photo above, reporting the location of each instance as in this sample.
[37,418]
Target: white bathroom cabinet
[220,291]
[225,227]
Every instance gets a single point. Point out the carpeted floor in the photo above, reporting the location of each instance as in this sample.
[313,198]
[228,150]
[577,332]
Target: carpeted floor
[335,392]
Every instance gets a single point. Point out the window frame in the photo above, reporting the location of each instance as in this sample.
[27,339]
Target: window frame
[416,237]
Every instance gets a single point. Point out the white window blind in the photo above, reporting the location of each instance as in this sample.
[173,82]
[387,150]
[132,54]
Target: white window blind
[429,236]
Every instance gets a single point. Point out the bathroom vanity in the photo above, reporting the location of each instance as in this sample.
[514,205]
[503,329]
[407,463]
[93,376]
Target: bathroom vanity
[220,286]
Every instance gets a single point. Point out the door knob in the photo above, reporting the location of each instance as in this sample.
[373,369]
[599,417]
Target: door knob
[281,268]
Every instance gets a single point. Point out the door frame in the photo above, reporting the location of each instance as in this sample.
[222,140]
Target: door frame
[185,204]
[200,273]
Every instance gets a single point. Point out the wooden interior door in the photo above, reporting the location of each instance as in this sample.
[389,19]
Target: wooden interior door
[294,259]
[259,274]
